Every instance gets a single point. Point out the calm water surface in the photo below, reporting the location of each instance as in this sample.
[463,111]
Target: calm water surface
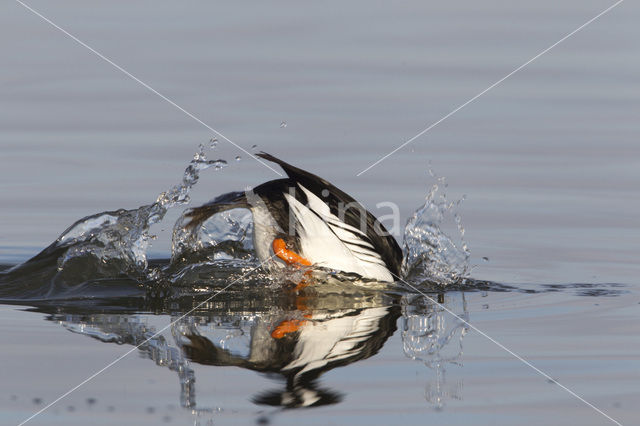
[549,162]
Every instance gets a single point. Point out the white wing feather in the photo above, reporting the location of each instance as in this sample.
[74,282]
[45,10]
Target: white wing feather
[329,242]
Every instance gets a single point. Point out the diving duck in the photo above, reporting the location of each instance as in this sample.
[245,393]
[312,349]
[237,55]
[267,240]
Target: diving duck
[304,220]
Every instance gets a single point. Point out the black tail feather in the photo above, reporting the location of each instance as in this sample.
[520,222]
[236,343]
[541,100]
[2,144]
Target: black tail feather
[231,200]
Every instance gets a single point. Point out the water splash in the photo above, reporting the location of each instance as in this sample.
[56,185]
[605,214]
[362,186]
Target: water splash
[430,255]
[224,236]
[121,238]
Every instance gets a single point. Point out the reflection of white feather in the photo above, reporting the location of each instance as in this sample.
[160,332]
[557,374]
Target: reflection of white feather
[338,338]
[322,342]
[327,241]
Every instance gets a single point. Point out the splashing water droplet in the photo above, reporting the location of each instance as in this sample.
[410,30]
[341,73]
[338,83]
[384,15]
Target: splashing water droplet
[213,143]
[119,240]
[283,124]
[227,235]
[430,255]
[238,158]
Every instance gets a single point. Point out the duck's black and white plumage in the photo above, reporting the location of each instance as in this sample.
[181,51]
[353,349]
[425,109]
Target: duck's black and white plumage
[318,221]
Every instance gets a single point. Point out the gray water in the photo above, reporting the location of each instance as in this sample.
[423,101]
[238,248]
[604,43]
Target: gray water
[548,161]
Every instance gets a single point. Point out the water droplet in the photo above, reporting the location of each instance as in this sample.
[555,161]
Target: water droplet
[37,401]
[219,164]
[325,192]
[213,143]
[485,258]
[283,124]
[91,401]
[238,158]
[254,146]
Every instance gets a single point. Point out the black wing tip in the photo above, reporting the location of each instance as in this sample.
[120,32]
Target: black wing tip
[263,154]
[288,168]
[269,157]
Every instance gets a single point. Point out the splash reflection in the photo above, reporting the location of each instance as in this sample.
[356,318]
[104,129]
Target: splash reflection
[434,337]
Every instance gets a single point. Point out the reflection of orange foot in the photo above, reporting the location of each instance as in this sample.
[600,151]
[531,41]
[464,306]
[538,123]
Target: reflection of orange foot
[286,327]
[290,257]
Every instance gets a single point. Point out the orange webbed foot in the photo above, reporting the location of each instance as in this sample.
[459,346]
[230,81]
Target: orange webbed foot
[290,257]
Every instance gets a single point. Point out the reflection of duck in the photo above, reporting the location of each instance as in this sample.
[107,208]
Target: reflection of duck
[297,336]
[306,220]
[301,347]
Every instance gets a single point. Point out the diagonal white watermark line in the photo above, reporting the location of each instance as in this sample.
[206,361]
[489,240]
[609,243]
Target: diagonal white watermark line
[503,347]
[94,375]
[431,126]
[145,85]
